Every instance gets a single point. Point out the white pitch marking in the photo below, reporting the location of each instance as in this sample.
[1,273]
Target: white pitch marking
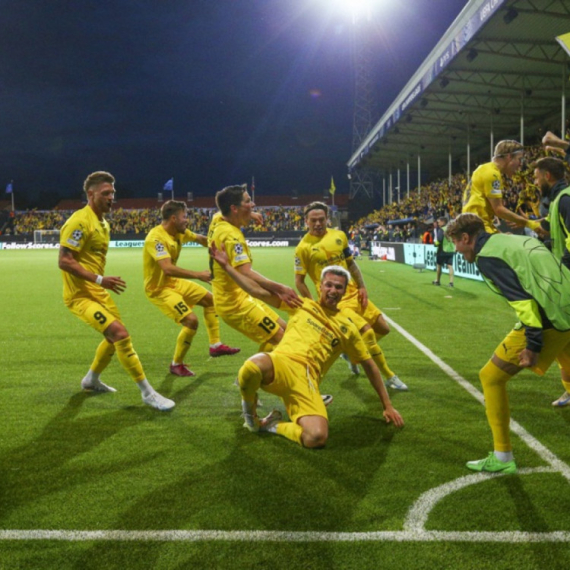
[283,536]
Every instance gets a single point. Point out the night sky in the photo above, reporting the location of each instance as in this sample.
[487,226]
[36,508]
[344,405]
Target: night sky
[208,92]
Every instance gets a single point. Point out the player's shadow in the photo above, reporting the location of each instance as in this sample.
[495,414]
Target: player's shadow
[264,482]
[45,466]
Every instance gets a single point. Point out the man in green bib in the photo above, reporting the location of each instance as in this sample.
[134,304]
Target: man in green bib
[537,286]
[550,177]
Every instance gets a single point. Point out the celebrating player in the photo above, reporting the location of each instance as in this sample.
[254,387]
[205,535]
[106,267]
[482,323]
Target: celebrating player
[322,247]
[84,243]
[166,286]
[316,334]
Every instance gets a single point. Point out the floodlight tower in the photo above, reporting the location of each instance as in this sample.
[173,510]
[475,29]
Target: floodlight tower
[361,180]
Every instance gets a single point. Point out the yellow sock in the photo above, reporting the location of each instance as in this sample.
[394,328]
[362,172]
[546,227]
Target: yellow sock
[212,325]
[291,431]
[494,382]
[249,378]
[183,343]
[565,377]
[129,359]
[103,356]
[377,354]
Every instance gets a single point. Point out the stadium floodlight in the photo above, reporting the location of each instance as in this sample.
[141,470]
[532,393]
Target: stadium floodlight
[357,9]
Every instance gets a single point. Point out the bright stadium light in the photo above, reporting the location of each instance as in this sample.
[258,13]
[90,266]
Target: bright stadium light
[356,8]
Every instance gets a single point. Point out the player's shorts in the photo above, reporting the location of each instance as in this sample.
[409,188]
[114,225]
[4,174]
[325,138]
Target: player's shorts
[293,384]
[444,258]
[98,314]
[177,302]
[359,317]
[255,320]
[555,346]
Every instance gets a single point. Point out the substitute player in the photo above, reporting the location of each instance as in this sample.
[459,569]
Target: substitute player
[537,286]
[316,334]
[484,193]
[84,242]
[321,247]
[166,287]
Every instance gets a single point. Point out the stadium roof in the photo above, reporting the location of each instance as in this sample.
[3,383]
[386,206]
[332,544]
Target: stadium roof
[498,61]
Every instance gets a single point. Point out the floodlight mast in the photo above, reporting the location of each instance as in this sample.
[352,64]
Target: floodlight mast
[361,179]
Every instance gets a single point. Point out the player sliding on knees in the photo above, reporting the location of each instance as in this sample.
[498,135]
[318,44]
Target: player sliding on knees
[166,284]
[84,242]
[315,336]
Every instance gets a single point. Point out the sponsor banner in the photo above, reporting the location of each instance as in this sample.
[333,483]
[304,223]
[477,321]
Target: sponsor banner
[419,253]
[388,251]
[268,242]
[29,245]
[140,243]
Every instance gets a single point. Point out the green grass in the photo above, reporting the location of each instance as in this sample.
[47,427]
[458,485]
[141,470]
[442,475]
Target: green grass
[74,461]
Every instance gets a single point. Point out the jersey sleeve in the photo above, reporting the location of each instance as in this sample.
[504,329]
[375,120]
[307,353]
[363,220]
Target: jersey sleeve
[354,346]
[492,184]
[345,248]
[300,262]
[74,234]
[189,236]
[236,248]
[156,248]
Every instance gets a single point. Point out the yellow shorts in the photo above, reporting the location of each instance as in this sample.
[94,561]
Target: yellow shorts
[98,314]
[177,302]
[256,321]
[293,385]
[555,346]
[370,314]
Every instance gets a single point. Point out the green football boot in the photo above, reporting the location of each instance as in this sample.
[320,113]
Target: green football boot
[492,465]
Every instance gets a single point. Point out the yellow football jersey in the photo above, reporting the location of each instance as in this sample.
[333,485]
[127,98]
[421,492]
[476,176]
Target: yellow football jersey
[229,297]
[159,244]
[486,182]
[315,336]
[315,253]
[88,236]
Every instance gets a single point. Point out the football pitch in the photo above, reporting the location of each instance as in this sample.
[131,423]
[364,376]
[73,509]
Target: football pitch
[103,481]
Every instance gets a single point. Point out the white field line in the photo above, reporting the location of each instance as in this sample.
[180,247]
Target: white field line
[417,516]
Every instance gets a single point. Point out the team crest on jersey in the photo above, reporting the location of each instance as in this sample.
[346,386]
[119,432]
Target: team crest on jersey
[343,329]
[338,242]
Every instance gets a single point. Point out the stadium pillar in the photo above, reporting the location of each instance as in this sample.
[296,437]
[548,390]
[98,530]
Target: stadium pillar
[449,167]
[419,175]
[563,109]
[522,120]
[399,192]
[408,179]
[391,195]
[468,152]
[384,191]
[491,140]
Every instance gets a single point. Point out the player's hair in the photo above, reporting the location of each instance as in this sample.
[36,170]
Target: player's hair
[171,208]
[554,166]
[507,147]
[96,178]
[470,224]
[230,196]
[442,219]
[336,270]
[316,206]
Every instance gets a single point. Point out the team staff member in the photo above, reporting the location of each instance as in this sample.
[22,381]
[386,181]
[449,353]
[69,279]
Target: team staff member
[321,247]
[445,252]
[484,193]
[316,334]
[166,286]
[549,176]
[84,242]
[537,286]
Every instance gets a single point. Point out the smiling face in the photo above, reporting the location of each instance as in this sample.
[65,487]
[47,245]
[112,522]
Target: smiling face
[244,210]
[332,290]
[513,163]
[101,197]
[180,221]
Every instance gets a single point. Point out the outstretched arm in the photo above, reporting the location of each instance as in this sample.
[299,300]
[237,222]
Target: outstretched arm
[357,276]
[243,280]
[390,413]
